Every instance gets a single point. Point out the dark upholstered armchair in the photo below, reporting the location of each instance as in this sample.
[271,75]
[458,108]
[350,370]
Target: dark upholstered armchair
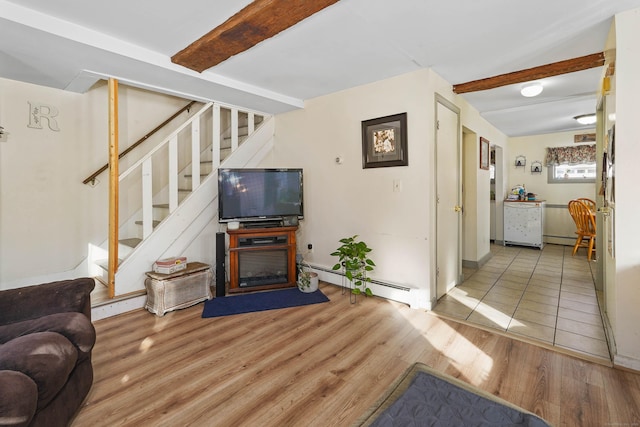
[46,338]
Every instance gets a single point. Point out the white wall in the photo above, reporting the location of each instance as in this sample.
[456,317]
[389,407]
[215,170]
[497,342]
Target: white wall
[47,216]
[627,278]
[559,227]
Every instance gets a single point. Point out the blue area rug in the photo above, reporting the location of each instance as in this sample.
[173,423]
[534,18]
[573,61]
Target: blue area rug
[261,301]
[426,397]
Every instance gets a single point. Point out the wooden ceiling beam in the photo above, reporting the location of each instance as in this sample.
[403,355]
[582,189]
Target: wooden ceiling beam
[258,21]
[535,73]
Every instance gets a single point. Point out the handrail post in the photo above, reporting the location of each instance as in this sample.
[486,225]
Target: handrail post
[113,186]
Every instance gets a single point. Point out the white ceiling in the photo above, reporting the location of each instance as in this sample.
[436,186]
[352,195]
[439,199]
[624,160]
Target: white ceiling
[68,44]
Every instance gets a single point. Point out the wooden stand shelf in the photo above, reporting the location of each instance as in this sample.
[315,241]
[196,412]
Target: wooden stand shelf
[262,258]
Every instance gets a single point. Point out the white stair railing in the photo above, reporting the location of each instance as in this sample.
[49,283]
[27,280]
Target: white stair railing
[164,161]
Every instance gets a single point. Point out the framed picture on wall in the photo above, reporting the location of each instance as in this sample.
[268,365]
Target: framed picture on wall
[384,142]
[484,153]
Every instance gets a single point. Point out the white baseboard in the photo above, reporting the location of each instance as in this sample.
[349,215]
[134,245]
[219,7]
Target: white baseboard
[626,362]
[118,307]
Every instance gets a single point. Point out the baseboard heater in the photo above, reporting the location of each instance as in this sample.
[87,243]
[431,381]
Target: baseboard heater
[416,298]
[377,282]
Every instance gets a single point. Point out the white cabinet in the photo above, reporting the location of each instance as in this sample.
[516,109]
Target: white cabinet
[524,223]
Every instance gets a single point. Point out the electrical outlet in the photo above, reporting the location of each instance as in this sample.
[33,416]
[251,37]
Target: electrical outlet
[309,247]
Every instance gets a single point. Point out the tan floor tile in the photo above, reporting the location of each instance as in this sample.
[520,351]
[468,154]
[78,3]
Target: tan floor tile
[551,292]
[504,290]
[579,306]
[543,299]
[524,314]
[581,290]
[486,276]
[468,299]
[583,284]
[532,330]
[515,277]
[580,316]
[468,272]
[499,269]
[546,276]
[581,298]
[553,262]
[492,322]
[452,308]
[512,284]
[518,268]
[545,283]
[581,343]
[495,309]
[472,292]
[520,274]
[584,329]
[475,284]
[507,300]
[579,276]
[540,308]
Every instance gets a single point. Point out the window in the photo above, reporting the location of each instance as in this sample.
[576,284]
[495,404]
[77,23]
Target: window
[584,172]
[571,164]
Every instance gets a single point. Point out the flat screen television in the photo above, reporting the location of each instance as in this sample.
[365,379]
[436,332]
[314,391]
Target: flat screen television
[259,194]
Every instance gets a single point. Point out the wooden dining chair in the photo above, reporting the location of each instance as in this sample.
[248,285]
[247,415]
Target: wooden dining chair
[585,221]
[588,202]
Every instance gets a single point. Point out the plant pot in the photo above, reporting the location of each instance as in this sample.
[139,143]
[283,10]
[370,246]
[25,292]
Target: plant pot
[313,282]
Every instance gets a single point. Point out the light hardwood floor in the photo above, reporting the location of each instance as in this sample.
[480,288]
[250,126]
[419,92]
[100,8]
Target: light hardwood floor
[324,365]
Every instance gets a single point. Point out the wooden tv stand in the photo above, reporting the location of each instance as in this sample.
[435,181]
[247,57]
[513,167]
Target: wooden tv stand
[262,258]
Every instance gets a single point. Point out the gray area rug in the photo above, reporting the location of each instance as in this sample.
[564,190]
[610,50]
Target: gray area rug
[425,397]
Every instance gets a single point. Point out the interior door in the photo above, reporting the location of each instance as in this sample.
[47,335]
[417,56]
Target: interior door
[448,197]
[605,201]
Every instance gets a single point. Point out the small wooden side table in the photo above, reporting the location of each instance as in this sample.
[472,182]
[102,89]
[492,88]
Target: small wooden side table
[184,288]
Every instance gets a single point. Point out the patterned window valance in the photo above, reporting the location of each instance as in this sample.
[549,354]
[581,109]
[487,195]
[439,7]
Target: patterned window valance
[571,155]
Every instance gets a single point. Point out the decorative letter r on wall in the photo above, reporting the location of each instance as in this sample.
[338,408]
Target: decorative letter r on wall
[38,112]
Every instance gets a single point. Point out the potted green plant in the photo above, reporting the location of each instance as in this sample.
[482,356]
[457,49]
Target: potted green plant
[307,279]
[353,257]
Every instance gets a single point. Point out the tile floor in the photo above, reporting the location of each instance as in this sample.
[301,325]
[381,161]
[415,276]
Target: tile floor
[547,296]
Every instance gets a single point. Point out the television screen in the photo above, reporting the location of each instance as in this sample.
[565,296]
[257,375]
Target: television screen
[257,194]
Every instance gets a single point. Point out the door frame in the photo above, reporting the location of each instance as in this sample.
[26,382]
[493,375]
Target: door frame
[439,99]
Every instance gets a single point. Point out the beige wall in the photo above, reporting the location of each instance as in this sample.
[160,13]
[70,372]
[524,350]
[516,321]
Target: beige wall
[627,278]
[477,185]
[47,216]
[559,227]
[344,199]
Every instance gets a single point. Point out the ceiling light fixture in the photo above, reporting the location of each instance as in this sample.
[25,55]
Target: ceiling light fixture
[531,90]
[586,119]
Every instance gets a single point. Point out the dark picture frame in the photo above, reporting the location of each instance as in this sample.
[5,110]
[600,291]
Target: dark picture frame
[484,153]
[384,141]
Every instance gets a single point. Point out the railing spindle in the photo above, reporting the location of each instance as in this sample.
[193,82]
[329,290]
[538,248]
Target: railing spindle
[195,154]
[234,129]
[173,173]
[147,198]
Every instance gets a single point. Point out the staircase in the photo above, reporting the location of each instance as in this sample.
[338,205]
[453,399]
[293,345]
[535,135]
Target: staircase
[169,196]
